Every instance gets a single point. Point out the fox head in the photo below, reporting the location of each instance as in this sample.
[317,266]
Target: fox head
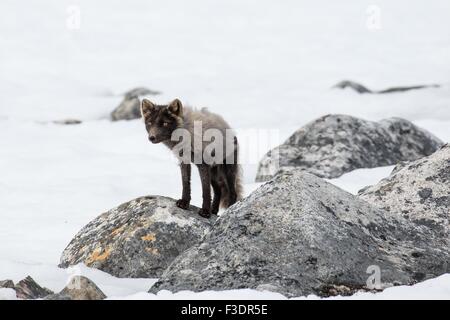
[161,120]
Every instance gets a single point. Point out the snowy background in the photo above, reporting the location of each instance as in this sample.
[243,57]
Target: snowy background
[261,64]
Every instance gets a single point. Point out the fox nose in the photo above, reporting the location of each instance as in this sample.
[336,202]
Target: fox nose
[152,138]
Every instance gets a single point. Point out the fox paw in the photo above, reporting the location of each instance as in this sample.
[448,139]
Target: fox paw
[183,204]
[215,210]
[204,213]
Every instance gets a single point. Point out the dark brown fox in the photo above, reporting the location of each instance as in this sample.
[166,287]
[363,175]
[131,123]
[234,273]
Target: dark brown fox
[216,158]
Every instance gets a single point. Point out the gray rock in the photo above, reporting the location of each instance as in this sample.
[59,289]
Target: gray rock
[362,89]
[353,85]
[8,284]
[301,235]
[79,288]
[29,289]
[139,92]
[67,122]
[129,108]
[419,190]
[138,239]
[335,144]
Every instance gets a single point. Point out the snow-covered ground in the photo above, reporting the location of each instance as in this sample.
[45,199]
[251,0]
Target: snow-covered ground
[264,65]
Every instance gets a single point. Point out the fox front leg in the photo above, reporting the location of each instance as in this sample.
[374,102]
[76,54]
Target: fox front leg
[183,203]
[205,177]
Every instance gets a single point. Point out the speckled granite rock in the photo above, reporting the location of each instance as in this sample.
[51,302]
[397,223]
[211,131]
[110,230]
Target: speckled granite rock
[79,288]
[419,191]
[335,144]
[138,239]
[299,235]
[130,106]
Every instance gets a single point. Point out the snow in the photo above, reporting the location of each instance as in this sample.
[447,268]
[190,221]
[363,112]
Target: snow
[7,294]
[360,178]
[434,289]
[262,64]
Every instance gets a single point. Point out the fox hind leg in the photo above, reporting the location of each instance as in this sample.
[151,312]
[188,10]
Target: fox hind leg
[217,190]
[230,175]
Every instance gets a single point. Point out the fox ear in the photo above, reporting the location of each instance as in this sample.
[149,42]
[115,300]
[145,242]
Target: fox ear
[175,107]
[147,107]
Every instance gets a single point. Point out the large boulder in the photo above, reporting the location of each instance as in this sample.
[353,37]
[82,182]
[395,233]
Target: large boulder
[299,235]
[419,190]
[129,108]
[138,239]
[335,144]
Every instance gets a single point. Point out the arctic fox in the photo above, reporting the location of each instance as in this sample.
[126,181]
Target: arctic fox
[202,138]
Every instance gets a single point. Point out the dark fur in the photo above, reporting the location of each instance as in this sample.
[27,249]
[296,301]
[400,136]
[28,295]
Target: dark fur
[162,120]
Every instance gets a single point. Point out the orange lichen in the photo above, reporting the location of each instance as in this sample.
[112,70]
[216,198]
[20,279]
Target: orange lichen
[149,237]
[98,255]
[117,231]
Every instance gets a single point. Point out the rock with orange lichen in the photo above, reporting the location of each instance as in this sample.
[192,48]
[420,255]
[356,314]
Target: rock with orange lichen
[138,239]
